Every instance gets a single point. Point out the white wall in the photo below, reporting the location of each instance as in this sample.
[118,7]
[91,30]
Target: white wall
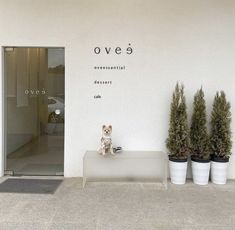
[180,40]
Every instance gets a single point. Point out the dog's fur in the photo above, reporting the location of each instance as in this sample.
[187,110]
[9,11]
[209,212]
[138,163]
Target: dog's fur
[106,141]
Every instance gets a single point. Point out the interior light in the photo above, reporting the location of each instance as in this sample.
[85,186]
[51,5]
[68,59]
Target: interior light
[57,111]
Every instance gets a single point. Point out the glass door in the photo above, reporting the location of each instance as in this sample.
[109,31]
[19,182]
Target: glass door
[34,111]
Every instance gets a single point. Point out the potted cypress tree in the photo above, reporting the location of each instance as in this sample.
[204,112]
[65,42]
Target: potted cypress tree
[220,139]
[178,137]
[199,141]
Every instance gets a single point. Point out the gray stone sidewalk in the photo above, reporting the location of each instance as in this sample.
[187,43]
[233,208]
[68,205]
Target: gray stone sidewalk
[120,207]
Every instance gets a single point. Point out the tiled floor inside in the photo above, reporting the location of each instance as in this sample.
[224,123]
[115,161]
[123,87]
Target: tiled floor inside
[120,207]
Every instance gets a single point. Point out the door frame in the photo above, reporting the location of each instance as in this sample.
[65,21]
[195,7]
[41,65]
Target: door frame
[2,113]
[3,123]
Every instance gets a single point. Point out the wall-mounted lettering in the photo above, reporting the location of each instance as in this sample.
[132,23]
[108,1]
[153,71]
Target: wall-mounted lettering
[115,50]
[97,97]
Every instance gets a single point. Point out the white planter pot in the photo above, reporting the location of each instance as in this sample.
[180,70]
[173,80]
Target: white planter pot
[219,172]
[201,172]
[178,172]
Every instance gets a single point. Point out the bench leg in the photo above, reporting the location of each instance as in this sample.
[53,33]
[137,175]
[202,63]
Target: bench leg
[83,182]
[166,172]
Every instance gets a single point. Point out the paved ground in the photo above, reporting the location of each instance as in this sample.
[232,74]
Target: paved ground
[120,207]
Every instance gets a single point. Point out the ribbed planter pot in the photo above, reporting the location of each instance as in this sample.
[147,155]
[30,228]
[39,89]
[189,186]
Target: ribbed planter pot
[178,171]
[200,171]
[219,170]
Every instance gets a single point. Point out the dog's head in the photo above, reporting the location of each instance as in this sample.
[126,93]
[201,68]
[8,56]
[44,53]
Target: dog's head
[107,130]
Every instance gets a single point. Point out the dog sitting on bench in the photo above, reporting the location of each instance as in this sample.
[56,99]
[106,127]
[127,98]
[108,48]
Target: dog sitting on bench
[106,147]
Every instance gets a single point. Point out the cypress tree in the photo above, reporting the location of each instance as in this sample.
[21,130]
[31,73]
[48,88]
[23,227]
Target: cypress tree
[220,139]
[199,138]
[178,137]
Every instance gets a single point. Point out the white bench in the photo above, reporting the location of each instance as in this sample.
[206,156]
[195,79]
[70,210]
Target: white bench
[130,166]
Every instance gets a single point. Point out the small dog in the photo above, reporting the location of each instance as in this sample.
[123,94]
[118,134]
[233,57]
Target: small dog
[106,141]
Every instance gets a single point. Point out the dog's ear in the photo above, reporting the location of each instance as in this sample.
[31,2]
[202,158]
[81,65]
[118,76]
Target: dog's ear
[110,126]
[103,126]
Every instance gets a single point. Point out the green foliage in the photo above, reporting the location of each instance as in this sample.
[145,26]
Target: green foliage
[220,139]
[178,137]
[199,138]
